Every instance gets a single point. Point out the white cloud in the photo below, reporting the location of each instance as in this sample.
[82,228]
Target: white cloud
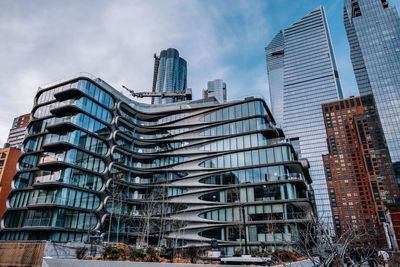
[44,41]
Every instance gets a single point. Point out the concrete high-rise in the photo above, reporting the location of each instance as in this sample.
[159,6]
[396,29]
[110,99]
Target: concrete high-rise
[373,30]
[309,78]
[358,169]
[217,89]
[171,73]
[17,131]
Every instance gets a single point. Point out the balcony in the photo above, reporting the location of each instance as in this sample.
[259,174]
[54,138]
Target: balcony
[46,158]
[42,222]
[47,178]
[68,94]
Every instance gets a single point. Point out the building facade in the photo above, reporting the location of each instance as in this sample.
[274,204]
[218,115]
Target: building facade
[171,73]
[17,131]
[155,74]
[8,162]
[392,213]
[217,89]
[358,169]
[373,30]
[310,78]
[178,174]
[275,66]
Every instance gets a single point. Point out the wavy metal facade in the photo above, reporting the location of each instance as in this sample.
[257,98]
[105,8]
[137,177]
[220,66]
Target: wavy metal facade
[178,172]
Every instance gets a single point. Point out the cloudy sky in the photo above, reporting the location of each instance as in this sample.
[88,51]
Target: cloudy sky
[46,40]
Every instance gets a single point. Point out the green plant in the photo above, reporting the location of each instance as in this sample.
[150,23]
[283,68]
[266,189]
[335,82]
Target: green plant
[151,252]
[136,253]
[112,252]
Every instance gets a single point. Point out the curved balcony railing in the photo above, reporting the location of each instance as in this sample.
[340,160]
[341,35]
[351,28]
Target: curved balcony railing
[165,133]
[88,88]
[167,119]
[157,148]
[88,106]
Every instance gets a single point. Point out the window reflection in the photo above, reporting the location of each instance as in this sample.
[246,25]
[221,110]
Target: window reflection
[249,158]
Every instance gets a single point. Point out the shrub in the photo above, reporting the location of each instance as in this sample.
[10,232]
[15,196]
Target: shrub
[151,254]
[112,252]
[171,253]
[285,256]
[192,253]
[136,253]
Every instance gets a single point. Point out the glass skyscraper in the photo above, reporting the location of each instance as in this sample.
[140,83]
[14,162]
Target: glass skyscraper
[217,89]
[373,31]
[96,162]
[309,78]
[275,65]
[171,73]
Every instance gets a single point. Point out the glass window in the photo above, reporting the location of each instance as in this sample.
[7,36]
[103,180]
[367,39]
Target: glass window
[239,127]
[213,116]
[285,153]
[263,156]
[247,158]
[278,154]
[255,157]
[254,140]
[246,126]
[241,161]
[220,162]
[240,142]
[226,144]
[270,155]
[231,112]
[227,161]
[245,110]
[225,113]
[247,142]
[252,111]
[234,160]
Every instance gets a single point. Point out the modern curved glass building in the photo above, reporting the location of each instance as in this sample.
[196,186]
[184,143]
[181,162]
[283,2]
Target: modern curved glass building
[180,173]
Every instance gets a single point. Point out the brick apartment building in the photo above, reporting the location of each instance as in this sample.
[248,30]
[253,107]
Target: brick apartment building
[358,169]
[8,161]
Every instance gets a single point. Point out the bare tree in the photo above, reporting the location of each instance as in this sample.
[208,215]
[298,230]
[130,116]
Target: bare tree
[148,214]
[325,249]
[115,189]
